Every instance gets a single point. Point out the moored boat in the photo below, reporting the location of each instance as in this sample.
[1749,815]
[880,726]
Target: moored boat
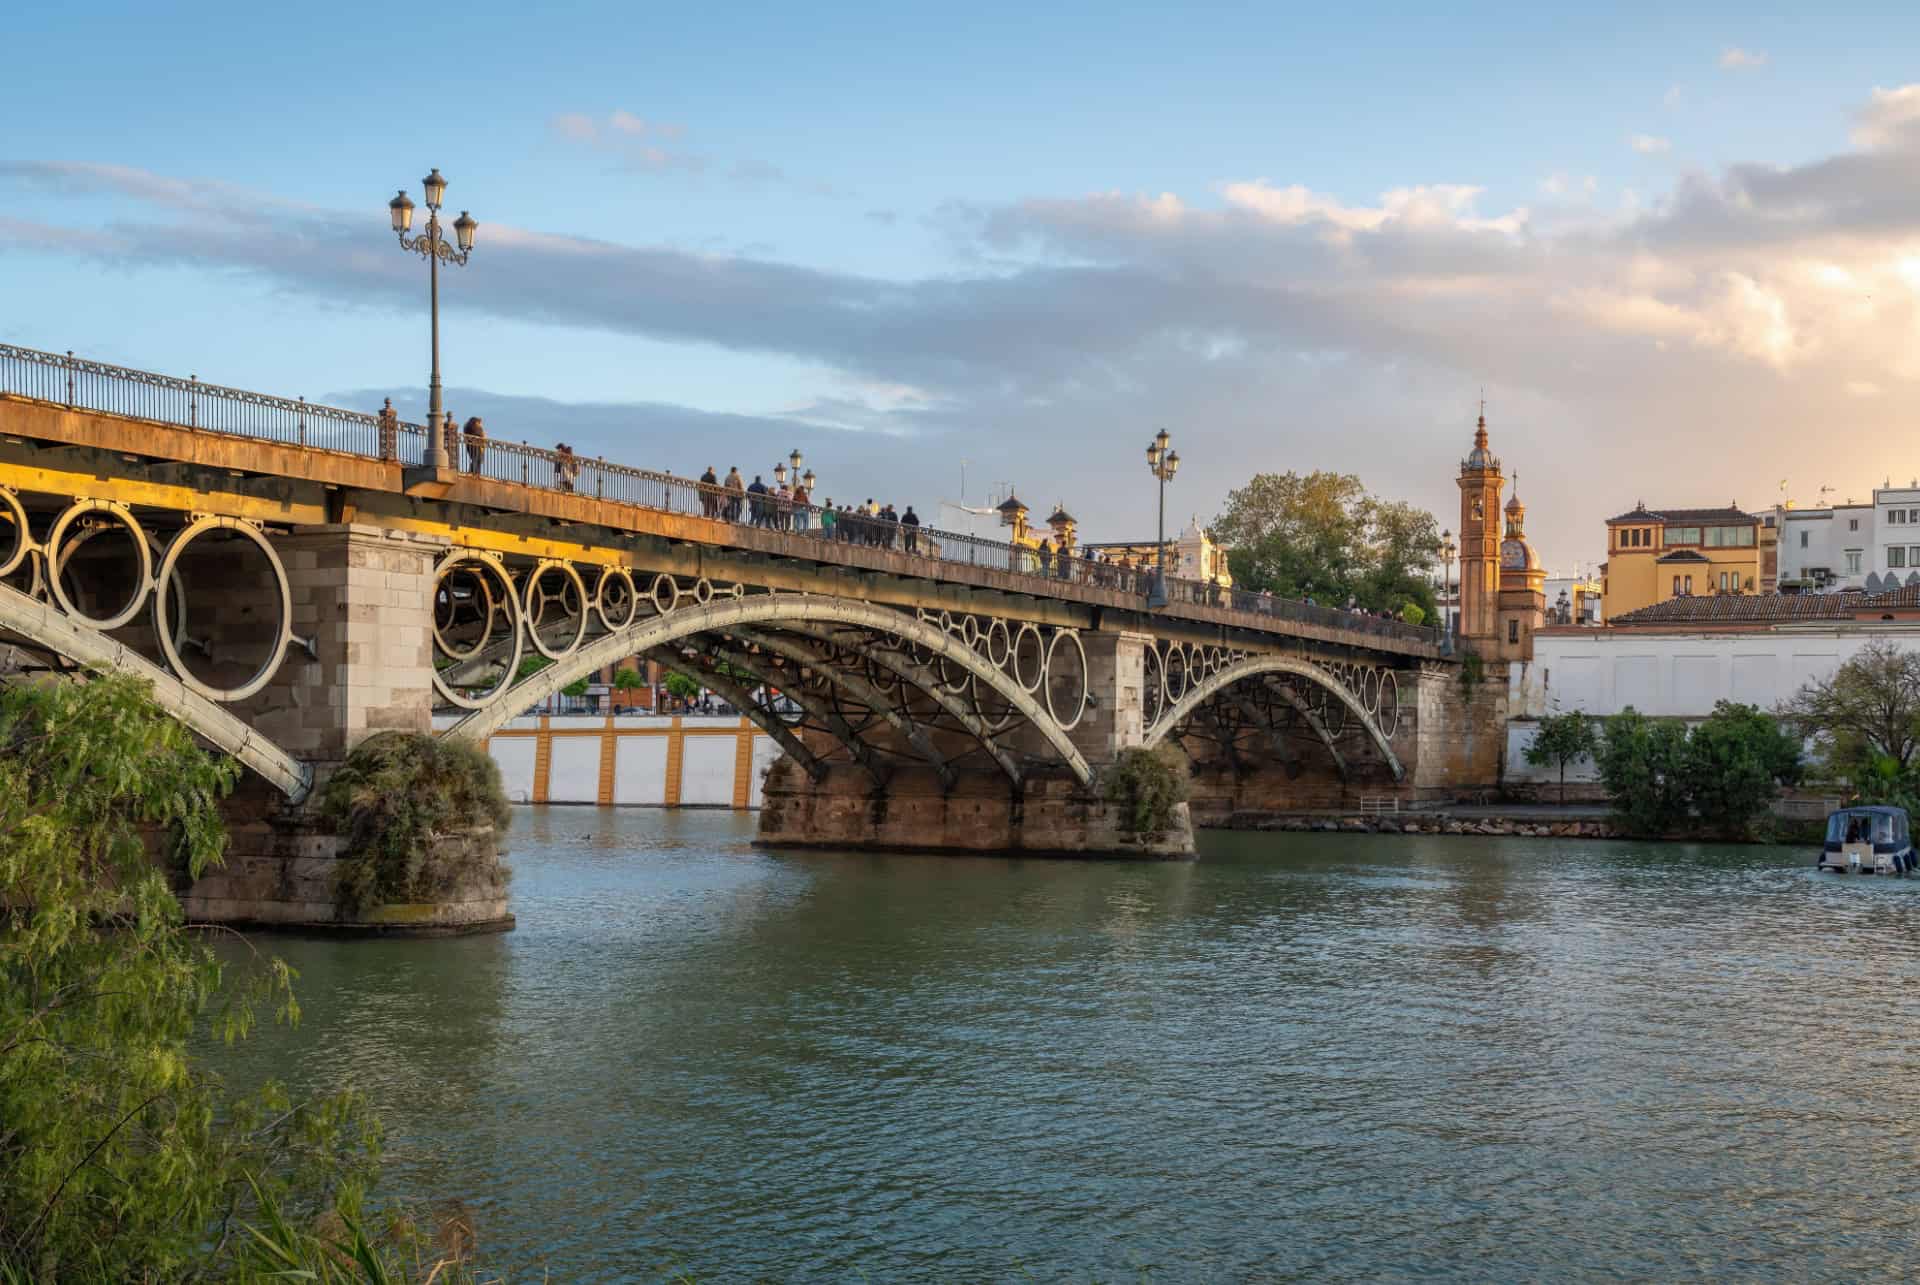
[1867,841]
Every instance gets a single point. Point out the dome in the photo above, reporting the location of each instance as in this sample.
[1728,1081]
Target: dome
[1061,517]
[1517,555]
[1012,504]
[1515,508]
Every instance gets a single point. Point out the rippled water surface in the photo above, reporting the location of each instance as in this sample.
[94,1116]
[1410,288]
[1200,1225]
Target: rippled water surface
[1318,1056]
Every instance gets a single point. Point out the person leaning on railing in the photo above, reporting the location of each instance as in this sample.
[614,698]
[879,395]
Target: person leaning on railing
[709,496]
[476,435]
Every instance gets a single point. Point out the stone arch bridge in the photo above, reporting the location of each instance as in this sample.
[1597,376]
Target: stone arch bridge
[291,579]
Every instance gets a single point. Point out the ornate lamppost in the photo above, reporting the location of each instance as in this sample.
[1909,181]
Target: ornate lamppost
[1163,464]
[1447,549]
[432,246]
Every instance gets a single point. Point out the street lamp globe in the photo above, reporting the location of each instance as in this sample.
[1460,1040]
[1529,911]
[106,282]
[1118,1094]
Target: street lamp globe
[807,481]
[1173,463]
[780,474]
[435,188]
[794,459]
[401,208]
[1153,455]
[463,228]
[1161,439]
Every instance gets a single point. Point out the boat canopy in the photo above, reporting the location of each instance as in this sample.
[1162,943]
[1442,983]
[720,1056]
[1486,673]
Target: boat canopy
[1875,825]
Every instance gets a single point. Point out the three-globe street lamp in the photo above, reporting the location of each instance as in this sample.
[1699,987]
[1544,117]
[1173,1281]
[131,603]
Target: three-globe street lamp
[1163,463]
[432,246]
[796,459]
[1447,549]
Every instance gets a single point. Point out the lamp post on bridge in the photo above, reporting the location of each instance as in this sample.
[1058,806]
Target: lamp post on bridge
[1447,549]
[1163,463]
[432,245]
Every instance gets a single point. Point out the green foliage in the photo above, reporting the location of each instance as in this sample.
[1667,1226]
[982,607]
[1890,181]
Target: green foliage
[122,1158]
[1148,784]
[1413,613]
[1323,535]
[1867,710]
[1725,773]
[680,687]
[398,792]
[576,688]
[629,680]
[1561,739]
[1736,762]
[1641,765]
[530,665]
[1473,671]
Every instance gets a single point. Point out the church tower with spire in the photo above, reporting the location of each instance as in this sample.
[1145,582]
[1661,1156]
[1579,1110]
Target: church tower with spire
[1523,586]
[1480,483]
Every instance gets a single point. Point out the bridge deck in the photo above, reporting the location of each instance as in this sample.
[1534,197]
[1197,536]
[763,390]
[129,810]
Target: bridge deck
[46,398]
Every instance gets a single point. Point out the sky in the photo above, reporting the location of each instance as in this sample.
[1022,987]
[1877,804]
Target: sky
[1677,252]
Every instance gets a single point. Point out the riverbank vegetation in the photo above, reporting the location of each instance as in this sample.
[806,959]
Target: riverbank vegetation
[396,794]
[1324,536]
[123,1157]
[1716,780]
[1865,718]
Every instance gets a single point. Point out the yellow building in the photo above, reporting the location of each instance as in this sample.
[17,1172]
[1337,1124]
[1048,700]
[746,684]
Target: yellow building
[1657,554]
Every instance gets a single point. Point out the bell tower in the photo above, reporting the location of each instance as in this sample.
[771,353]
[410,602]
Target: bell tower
[1480,483]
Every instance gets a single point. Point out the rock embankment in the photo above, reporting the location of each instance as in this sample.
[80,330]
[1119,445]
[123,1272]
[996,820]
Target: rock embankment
[1427,823]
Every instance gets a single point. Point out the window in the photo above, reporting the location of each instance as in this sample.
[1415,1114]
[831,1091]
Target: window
[1913,555]
[1728,537]
[1896,555]
[1689,584]
[1896,517]
[1803,539]
[1513,631]
[1853,562]
[1682,535]
[1676,586]
[1853,524]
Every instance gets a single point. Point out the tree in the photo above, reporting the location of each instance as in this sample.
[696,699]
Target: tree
[124,1159]
[1725,773]
[1323,535]
[1559,740]
[1868,708]
[1642,766]
[628,680]
[680,687]
[576,689]
[1736,760]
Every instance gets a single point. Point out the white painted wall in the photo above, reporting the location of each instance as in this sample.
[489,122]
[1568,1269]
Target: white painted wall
[1602,672]
[515,758]
[706,770]
[640,762]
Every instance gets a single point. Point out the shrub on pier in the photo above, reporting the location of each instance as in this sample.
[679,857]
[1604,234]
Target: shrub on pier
[397,795]
[1148,785]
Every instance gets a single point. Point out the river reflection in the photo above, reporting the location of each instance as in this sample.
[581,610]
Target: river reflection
[1304,1056]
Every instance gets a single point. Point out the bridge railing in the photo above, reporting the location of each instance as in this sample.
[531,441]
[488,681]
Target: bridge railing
[80,383]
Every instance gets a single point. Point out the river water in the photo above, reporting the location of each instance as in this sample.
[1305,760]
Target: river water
[1304,1056]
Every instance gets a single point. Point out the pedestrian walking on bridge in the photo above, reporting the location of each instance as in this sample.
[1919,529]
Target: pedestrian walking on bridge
[476,434]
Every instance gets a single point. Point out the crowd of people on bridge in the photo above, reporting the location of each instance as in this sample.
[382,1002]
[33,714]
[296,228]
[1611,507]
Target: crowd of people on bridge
[790,507]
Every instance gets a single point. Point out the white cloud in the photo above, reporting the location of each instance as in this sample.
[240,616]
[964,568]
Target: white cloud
[1734,58]
[1649,144]
[1672,98]
[1287,324]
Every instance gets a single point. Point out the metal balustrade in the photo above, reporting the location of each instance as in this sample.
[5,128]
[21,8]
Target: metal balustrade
[82,384]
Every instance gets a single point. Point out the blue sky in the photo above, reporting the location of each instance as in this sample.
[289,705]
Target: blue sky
[1022,235]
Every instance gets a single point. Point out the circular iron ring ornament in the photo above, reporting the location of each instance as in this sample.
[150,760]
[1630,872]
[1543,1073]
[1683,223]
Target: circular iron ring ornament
[198,527]
[507,603]
[607,605]
[1388,717]
[1036,655]
[1173,668]
[999,643]
[1080,708]
[703,591]
[665,594]
[14,511]
[534,609]
[1153,686]
[56,558]
[484,599]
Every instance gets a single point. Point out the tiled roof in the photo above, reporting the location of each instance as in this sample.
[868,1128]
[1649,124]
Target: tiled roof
[1682,555]
[1696,517]
[1756,608]
[1905,596]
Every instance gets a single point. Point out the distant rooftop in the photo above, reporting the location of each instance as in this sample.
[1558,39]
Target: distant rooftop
[1697,517]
